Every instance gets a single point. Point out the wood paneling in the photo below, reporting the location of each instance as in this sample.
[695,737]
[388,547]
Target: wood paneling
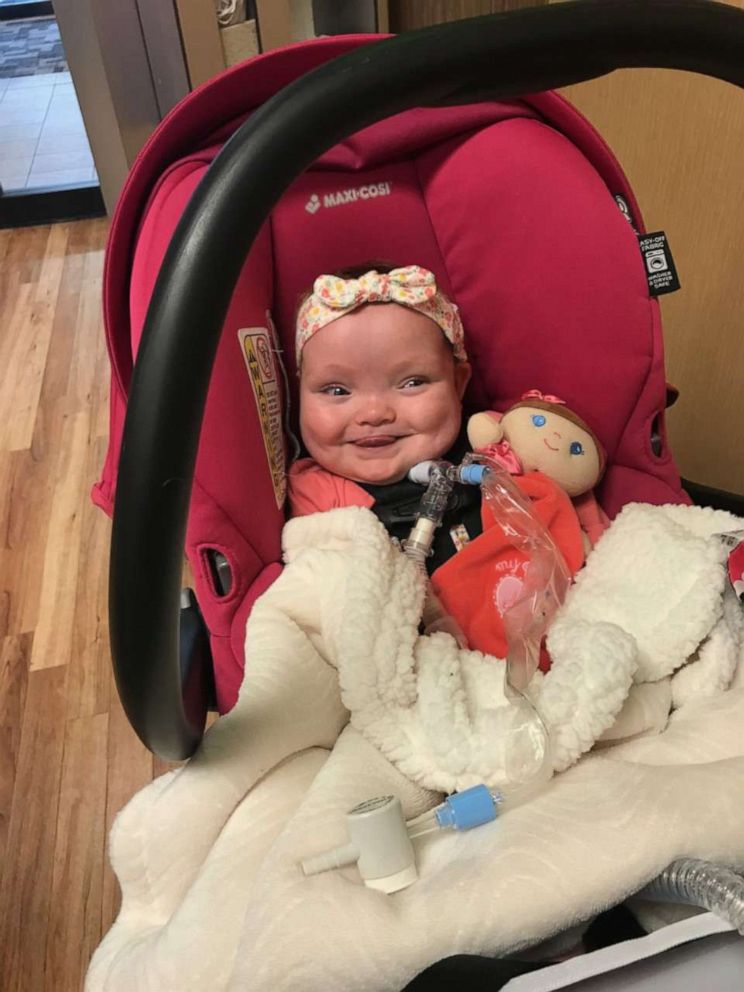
[200,34]
[406,15]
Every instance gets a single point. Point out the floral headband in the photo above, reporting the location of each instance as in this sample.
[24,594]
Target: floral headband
[333,297]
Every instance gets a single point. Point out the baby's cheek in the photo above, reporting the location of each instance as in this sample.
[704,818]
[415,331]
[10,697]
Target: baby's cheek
[317,420]
[448,434]
[446,421]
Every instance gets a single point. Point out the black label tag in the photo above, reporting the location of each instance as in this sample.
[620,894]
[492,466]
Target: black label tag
[658,263]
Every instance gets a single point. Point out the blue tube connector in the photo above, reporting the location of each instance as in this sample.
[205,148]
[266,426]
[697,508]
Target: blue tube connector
[468,809]
[472,475]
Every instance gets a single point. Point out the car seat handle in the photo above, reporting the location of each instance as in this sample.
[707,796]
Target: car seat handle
[491,57]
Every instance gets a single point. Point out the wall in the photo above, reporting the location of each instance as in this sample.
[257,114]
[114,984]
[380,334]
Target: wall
[406,15]
[680,140]
[122,89]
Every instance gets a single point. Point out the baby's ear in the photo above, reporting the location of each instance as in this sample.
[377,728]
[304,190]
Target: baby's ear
[463,371]
[484,428]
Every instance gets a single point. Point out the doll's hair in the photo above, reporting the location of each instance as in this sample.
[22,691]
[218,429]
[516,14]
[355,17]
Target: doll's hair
[568,414]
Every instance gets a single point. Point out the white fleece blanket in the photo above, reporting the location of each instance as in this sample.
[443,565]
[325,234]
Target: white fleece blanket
[343,700]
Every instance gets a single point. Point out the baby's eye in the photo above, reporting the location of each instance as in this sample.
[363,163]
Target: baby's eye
[415,380]
[577,448]
[538,420]
[335,391]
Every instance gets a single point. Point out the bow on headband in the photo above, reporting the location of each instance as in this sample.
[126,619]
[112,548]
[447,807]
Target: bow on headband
[412,287]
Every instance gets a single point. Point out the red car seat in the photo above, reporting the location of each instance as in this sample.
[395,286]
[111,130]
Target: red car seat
[519,208]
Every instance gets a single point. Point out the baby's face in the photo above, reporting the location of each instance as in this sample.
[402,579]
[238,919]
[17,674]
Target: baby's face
[379,392]
[553,445]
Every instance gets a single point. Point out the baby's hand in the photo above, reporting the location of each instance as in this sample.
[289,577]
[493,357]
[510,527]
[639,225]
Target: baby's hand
[484,429]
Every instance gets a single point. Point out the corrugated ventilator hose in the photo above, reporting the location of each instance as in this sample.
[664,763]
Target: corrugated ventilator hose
[700,883]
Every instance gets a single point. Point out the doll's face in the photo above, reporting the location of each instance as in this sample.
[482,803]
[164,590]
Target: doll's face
[549,443]
[380,391]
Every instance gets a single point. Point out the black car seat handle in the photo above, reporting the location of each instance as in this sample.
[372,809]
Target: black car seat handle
[491,57]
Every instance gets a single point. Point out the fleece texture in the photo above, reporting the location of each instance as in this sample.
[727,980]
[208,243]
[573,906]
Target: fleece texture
[343,700]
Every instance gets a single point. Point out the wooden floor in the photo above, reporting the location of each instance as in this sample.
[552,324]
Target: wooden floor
[68,759]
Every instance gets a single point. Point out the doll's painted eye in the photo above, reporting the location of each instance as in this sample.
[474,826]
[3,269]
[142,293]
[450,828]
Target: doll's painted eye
[577,448]
[538,420]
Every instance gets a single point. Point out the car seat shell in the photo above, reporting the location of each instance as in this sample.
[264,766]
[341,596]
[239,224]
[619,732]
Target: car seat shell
[511,203]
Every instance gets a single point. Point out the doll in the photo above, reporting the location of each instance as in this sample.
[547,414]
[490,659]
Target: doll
[542,434]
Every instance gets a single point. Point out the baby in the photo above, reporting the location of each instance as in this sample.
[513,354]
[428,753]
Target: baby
[383,369]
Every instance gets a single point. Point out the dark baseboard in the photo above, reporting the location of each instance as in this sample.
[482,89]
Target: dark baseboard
[29,8]
[719,499]
[47,206]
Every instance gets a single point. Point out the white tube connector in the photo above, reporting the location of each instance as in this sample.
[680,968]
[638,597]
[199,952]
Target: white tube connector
[381,838]
[380,846]
[418,543]
[422,472]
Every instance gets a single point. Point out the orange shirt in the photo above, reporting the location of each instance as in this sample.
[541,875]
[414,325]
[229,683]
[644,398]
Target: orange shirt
[311,489]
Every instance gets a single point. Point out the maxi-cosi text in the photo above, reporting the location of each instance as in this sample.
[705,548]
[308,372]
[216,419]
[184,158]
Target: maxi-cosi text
[343,196]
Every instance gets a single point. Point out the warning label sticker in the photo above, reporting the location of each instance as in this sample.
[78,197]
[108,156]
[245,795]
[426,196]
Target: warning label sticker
[255,344]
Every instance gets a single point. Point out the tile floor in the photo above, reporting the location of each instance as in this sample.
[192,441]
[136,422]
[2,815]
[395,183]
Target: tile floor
[42,137]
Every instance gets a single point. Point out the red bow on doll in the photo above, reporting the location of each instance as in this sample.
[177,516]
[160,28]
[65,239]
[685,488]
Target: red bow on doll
[535,394]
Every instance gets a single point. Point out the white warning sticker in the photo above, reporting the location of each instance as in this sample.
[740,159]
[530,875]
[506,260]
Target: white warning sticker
[255,343]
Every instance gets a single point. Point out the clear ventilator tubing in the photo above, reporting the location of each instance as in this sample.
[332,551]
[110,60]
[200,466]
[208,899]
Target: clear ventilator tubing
[700,883]
[539,591]
[544,581]
[515,722]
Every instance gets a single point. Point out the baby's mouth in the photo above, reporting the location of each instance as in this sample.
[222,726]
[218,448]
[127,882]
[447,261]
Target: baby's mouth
[545,442]
[376,441]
